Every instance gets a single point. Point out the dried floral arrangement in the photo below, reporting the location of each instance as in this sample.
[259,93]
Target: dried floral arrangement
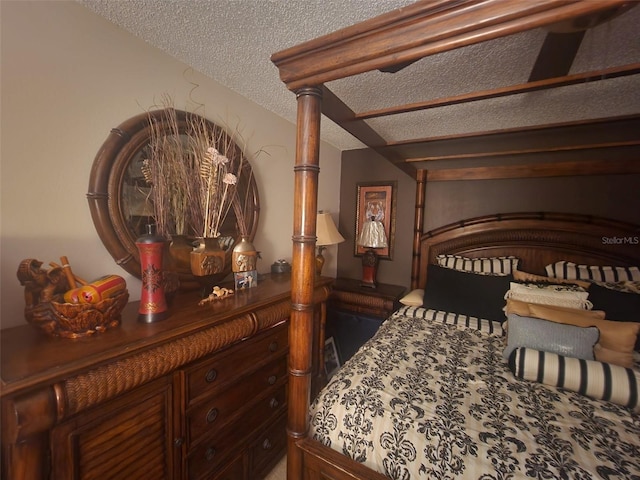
[194,172]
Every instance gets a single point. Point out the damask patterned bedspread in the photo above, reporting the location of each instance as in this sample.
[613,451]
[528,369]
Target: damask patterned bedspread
[429,398]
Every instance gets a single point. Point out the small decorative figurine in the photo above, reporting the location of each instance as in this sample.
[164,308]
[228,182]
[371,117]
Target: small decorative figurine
[217,293]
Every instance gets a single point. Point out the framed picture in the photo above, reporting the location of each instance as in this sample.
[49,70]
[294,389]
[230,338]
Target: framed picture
[376,206]
[246,279]
[331,359]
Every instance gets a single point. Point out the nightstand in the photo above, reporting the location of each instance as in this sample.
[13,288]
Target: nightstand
[354,312]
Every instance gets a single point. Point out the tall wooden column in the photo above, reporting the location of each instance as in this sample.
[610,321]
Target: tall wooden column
[303,272]
[418,225]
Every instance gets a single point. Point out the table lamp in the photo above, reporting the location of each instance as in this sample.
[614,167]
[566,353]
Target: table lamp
[327,234]
[371,237]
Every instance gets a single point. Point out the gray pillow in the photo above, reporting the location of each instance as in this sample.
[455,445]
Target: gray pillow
[565,340]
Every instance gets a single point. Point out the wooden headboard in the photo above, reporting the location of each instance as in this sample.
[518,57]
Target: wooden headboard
[538,239]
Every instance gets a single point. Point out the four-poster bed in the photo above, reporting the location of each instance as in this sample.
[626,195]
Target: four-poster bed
[389,43]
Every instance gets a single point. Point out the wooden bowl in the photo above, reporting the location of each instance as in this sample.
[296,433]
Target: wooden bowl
[70,320]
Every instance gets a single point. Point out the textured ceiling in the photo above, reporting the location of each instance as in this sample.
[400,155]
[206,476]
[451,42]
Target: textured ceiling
[231,41]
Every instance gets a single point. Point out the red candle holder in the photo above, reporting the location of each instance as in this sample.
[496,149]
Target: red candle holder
[153,304]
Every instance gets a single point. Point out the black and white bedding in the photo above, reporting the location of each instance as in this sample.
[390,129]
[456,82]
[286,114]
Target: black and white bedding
[431,396]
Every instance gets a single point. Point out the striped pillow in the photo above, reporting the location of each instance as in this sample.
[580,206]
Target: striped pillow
[487,265]
[591,378]
[449,318]
[596,273]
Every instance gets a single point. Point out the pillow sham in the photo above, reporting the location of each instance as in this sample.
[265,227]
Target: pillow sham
[594,379]
[413,298]
[614,357]
[520,276]
[466,293]
[565,295]
[566,340]
[619,337]
[570,270]
[627,286]
[522,309]
[487,265]
[620,306]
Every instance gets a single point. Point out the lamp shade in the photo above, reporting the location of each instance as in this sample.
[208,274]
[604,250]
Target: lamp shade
[326,230]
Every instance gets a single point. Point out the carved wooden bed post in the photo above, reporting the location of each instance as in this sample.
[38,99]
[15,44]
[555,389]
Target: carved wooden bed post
[303,272]
[418,225]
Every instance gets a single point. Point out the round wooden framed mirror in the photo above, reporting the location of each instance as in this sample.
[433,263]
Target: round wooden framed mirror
[119,200]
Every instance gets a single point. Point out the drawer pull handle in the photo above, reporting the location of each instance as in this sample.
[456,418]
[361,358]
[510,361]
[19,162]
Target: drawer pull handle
[178,442]
[272,379]
[273,346]
[266,444]
[210,453]
[273,403]
[211,375]
[212,415]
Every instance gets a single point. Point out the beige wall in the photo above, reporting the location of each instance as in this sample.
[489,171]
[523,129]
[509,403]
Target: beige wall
[68,77]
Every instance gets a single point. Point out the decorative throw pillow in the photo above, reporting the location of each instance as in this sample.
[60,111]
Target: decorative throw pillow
[617,336]
[524,310]
[594,379]
[597,273]
[566,340]
[413,298]
[614,357]
[472,294]
[620,306]
[487,265]
[627,286]
[565,295]
[520,276]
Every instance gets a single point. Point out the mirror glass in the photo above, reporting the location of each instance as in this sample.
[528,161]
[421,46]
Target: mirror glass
[120,201]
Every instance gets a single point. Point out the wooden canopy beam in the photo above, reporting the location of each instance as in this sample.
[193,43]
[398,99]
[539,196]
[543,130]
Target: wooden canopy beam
[547,169]
[574,79]
[418,30]
[337,111]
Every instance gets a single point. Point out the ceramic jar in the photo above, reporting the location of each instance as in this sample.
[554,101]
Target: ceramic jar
[244,256]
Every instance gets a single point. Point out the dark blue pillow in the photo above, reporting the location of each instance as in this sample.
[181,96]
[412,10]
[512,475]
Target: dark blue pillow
[466,293]
[619,306]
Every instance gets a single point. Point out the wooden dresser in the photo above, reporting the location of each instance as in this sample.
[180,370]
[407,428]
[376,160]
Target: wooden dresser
[199,395]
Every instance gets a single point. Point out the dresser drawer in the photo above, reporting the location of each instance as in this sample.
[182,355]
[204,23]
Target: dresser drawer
[233,471]
[210,454]
[214,413]
[268,449]
[216,372]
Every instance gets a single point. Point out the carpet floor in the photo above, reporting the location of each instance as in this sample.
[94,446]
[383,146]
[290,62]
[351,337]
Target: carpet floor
[279,472]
